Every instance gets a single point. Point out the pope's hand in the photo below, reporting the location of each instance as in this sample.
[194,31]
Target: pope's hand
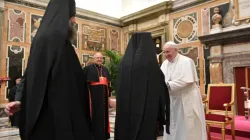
[12,107]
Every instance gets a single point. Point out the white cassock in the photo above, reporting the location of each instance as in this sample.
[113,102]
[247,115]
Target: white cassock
[187,118]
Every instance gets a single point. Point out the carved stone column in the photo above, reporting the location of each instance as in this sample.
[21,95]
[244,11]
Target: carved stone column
[2,12]
[216,67]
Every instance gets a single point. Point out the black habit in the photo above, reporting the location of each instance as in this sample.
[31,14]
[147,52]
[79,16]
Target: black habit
[142,97]
[99,94]
[54,106]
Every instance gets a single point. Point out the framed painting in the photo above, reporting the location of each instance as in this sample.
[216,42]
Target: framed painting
[242,8]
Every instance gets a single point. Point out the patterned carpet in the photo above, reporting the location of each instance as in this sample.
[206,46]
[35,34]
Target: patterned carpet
[12,133]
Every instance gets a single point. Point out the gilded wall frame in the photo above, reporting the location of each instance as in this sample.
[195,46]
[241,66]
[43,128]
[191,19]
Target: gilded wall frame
[242,8]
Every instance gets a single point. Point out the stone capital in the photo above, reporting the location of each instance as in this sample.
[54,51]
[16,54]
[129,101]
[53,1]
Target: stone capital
[215,59]
[216,50]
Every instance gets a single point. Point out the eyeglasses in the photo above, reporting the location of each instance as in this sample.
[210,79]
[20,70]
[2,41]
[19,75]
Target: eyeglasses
[98,58]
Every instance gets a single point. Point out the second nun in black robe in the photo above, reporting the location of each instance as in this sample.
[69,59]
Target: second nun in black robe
[53,105]
[142,96]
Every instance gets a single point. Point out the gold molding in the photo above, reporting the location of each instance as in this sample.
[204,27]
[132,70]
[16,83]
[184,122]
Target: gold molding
[237,16]
[162,7]
[246,76]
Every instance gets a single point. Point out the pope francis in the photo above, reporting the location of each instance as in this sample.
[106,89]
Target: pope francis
[187,120]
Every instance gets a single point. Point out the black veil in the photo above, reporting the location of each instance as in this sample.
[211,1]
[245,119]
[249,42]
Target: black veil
[141,92]
[55,20]
[54,82]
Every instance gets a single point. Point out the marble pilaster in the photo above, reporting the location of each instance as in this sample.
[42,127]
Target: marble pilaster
[216,66]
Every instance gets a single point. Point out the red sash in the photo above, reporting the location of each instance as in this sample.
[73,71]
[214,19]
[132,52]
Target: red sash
[102,81]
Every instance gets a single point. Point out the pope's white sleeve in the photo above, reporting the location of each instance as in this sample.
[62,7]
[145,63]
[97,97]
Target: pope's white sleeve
[176,85]
[186,77]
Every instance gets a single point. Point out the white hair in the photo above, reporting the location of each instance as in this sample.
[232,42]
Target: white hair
[171,44]
[97,54]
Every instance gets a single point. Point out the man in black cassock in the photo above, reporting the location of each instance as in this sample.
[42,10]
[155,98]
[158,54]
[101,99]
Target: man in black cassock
[98,79]
[142,97]
[13,107]
[53,105]
[14,119]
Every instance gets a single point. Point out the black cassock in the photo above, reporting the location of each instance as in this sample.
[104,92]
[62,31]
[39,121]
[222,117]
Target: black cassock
[99,93]
[15,118]
[54,106]
[142,96]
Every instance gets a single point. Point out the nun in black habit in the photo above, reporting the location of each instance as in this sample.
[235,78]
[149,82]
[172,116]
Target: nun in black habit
[53,105]
[142,97]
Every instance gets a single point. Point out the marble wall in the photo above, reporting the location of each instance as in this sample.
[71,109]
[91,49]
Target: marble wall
[225,56]
[193,53]
[183,24]
[20,26]
[184,31]
[235,55]
[226,39]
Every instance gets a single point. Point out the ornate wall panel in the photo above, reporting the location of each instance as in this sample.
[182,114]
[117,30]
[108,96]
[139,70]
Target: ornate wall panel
[228,18]
[17,23]
[114,40]
[185,29]
[94,38]
[86,58]
[193,53]
[34,25]
[205,21]
[15,63]
[21,25]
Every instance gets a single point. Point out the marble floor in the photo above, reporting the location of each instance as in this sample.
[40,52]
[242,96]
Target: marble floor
[13,134]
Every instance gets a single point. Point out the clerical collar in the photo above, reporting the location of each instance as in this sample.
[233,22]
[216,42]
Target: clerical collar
[98,66]
[175,59]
